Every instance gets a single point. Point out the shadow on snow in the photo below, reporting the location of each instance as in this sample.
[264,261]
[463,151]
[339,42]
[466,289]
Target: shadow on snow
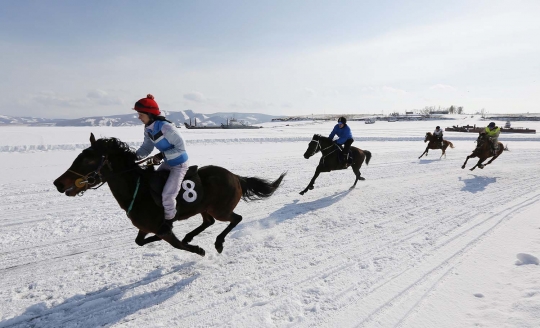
[429,161]
[477,184]
[103,307]
[291,211]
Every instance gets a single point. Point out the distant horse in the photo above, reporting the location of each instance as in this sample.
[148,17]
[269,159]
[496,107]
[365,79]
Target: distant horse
[112,161]
[435,144]
[483,151]
[330,161]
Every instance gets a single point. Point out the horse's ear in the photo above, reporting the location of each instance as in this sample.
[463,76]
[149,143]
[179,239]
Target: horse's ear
[92,139]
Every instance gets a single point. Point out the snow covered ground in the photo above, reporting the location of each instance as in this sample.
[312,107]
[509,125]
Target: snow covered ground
[420,243]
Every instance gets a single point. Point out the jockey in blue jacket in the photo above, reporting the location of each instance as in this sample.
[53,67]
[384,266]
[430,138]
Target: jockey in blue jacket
[162,134]
[345,136]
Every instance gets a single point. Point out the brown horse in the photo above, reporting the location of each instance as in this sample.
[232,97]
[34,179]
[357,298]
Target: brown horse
[435,144]
[483,151]
[112,161]
[330,161]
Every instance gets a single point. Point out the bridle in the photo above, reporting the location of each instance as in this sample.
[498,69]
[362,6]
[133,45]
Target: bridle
[91,179]
[319,147]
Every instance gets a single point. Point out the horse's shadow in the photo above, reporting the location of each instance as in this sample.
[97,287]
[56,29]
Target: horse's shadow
[477,184]
[103,307]
[290,211]
[428,161]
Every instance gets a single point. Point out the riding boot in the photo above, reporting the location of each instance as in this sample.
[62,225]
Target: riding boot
[345,159]
[165,228]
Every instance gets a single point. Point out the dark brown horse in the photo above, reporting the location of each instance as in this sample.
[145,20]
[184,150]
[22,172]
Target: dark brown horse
[435,144]
[112,161]
[483,151]
[330,161]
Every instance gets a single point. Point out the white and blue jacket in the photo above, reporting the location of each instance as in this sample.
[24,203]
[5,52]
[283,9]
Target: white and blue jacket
[164,136]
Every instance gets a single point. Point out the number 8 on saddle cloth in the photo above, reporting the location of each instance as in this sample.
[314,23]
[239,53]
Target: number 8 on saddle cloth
[191,193]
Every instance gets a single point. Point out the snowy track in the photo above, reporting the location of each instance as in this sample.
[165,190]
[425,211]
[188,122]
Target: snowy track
[368,257]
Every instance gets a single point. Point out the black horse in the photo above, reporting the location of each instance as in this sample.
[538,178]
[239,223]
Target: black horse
[112,161]
[331,158]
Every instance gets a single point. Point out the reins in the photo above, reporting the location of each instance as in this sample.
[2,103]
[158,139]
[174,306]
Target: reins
[90,179]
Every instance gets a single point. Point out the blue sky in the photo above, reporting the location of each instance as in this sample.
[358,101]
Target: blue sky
[67,59]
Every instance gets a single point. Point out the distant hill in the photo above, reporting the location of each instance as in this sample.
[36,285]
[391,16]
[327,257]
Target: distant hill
[131,119]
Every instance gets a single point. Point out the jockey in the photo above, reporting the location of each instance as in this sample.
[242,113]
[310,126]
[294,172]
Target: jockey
[493,131]
[162,134]
[438,133]
[345,136]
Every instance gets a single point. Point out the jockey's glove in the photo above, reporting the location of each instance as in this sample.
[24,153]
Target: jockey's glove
[156,159]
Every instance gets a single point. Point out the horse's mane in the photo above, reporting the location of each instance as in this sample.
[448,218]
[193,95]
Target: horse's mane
[429,133]
[114,146]
[321,137]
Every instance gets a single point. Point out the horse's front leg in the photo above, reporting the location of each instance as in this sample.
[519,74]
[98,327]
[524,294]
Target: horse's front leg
[470,156]
[312,182]
[425,152]
[141,241]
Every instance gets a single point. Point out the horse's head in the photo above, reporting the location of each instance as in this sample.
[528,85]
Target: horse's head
[87,169]
[428,137]
[314,146]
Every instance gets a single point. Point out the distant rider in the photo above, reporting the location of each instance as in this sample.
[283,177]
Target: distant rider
[438,133]
[163,135]
[493,131]
[345,137]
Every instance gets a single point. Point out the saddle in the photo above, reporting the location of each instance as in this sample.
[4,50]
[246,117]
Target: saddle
[190,194]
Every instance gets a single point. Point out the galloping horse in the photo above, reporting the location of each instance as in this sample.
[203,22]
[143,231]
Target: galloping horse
[331,153]
[112,161]
[483,151]
[435,144]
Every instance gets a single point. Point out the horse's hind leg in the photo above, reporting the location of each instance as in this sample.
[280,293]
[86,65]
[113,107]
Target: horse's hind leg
[492,159]
[171,239]
[443,152]
[234,219]
[479,164]
[141,241]
[356,171]
[208,220]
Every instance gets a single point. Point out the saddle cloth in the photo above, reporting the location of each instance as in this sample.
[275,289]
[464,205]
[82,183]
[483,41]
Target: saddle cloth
[192,191]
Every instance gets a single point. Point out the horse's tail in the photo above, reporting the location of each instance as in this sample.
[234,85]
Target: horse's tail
[368,156]
[450,144]
[254,188]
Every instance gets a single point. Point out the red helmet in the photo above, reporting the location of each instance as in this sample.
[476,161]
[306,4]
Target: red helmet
[147,105]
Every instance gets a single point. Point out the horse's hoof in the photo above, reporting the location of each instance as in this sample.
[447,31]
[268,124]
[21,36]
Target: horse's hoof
[219,248]
[200,251]
[302,192]
[361,178]
[463,167]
